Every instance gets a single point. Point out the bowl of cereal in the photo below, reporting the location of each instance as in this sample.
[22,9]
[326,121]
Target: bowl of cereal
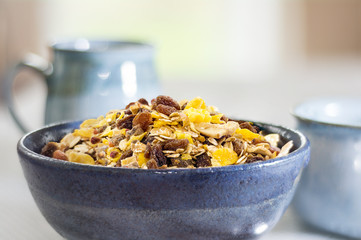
[164,170]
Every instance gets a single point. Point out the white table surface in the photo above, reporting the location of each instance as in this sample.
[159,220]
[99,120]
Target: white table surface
[268,101]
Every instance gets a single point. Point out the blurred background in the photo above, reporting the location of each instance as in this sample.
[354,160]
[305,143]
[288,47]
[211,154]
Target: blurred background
[200,40]
[260,43]
[251,58]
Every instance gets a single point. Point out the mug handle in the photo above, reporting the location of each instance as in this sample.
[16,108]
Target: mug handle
[31,61]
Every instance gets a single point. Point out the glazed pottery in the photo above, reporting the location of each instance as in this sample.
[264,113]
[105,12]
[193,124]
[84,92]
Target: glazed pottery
[88,77]
[94,202]
[329,194]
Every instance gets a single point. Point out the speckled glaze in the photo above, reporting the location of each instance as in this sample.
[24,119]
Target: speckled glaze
[95,202]
[87,78]
[329,195]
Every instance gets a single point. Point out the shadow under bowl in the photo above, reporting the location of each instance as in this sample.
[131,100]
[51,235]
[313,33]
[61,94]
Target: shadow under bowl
[95,202]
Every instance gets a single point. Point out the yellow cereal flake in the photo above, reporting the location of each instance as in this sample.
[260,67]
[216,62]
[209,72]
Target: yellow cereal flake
[108,132]
[78,157]
[182,135]
[224,156]
[141,159]
[197,115]
[202,125]
[217,118]
[84,132]
[160,123]
[186,156]
[248,135]
[201,138]
[111,117]
[101,123]
[116,156]
[155,115]
[89,123]
[105,141]
[197,103]
[138,137]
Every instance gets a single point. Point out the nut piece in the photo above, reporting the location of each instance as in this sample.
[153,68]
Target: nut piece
[60,155]
[216,130]
[49,149]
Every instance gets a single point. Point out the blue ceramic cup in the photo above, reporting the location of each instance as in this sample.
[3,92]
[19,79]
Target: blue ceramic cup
[87,78]
[329,193]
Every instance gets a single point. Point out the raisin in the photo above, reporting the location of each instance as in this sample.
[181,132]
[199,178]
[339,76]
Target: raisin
[237,146]
[178,162]
[174,144]
[165,100]
[203,160]
[257,140]
[224,118]
[130,104]
[152,164]
[126,154]
[95,140]
[49,149]
[143,101]
[143,119]
[248,126]
[113,154]
[126,122]
[148,150]
[184,106]
[116,139]
[135,131]
[99,129]
[127,112]
[254,159]
[167,110]
[274,149]
[158,155]
[60,155]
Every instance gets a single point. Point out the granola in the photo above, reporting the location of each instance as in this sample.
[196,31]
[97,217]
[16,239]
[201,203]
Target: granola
[166,134]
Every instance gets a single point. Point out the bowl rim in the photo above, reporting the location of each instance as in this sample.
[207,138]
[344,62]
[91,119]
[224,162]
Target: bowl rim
[305,145]
[325,123]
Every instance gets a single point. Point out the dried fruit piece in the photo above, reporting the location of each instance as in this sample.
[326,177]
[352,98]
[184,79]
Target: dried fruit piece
[49,149]
[167,110]
[174,144]
[165,100]
[178,162]
[203,160]
[143,101]
[166,135]
[237,146]
[156,153]
[126,122]
[143,119]
[152,164]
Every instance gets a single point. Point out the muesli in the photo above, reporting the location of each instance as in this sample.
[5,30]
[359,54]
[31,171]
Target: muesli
[166,134]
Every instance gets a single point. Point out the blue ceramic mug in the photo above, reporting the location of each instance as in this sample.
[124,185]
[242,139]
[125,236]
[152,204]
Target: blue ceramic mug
[329,193]
[87,78]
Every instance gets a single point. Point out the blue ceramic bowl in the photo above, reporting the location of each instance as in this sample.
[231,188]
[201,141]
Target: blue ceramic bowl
[329,195]
[94,202]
